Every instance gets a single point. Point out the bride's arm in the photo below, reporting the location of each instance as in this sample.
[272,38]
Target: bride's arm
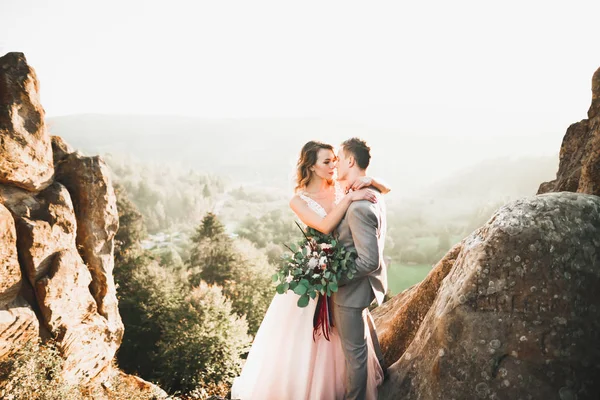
[366,181]
[328,223]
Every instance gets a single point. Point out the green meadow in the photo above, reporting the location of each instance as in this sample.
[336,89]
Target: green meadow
[403,276]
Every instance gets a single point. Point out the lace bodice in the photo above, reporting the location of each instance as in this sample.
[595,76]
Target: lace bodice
[316,207]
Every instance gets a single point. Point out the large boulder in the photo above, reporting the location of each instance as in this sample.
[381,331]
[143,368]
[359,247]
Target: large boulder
[25,149]
[45,225]
[579,167]
[518,315]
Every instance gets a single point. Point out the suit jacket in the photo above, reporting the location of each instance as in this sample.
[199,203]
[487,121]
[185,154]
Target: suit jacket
[363,229]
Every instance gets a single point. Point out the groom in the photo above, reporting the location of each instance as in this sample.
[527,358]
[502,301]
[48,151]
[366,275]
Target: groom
[363,229]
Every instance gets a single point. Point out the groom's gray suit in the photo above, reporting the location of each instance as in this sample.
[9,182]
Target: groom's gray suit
[362,229]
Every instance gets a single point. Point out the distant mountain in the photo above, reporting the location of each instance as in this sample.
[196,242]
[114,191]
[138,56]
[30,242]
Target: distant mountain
[264,151]
[247,151]
[498,178]
[483,187]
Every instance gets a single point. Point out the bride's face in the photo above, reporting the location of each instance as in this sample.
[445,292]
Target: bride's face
[324,168]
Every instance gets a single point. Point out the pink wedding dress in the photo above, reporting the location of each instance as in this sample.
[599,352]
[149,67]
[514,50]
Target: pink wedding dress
[285,363]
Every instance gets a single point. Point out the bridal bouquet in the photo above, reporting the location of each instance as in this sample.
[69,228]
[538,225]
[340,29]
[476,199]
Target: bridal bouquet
[315,266]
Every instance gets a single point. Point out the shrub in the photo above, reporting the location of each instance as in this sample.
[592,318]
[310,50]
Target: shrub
[201,343]
[35,372]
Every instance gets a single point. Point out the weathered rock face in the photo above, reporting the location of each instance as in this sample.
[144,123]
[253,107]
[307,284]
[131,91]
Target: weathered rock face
[70,311]
[579,168]
[18,323]
[399,319]
[594,110]
[10,271]
[60,149]
[25,151]
[45,225]
[119,385]
[56,237]
[88,179]
[518,315]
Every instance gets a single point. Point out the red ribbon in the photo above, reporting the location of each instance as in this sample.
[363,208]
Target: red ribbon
[322,320]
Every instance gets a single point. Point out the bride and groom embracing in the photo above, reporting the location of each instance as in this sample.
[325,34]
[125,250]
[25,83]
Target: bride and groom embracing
[286,362]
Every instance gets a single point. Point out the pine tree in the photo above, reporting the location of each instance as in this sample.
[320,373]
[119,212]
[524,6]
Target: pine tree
[212,255]
[206,192]
[210,228]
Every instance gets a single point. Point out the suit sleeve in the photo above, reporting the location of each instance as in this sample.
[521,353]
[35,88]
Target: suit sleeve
[364,225]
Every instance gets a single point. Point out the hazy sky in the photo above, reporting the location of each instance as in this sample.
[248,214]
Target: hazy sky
[466,68]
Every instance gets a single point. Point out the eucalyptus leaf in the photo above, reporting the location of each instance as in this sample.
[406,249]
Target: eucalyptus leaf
[333,287]
[281,288]
[300,289]
[303,301]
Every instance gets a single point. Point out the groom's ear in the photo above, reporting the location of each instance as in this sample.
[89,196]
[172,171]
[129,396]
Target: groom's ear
[351,161]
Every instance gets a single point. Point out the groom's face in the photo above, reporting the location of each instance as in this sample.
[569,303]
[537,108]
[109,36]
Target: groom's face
[342,165]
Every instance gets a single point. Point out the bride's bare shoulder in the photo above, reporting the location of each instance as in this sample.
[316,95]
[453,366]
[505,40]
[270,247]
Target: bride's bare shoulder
[296,201]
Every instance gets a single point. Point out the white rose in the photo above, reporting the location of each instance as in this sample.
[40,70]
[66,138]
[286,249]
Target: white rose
[323,260]
[313,262]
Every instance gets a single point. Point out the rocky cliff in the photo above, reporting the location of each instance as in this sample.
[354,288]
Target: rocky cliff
[579,168]
[58,219]
[513,311]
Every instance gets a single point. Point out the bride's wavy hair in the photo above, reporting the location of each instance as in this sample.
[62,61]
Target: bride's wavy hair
[308,158]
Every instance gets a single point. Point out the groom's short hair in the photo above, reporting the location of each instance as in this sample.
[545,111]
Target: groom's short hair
[359,149]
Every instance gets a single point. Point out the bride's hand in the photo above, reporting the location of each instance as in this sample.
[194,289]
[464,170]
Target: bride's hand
[362,182]
[364,194]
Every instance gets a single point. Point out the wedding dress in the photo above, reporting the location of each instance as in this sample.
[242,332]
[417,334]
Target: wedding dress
[285,363]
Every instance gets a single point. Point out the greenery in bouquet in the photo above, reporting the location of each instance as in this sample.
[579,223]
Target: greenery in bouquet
[315,266]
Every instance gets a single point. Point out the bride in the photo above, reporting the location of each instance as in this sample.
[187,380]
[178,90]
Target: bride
[285,363]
